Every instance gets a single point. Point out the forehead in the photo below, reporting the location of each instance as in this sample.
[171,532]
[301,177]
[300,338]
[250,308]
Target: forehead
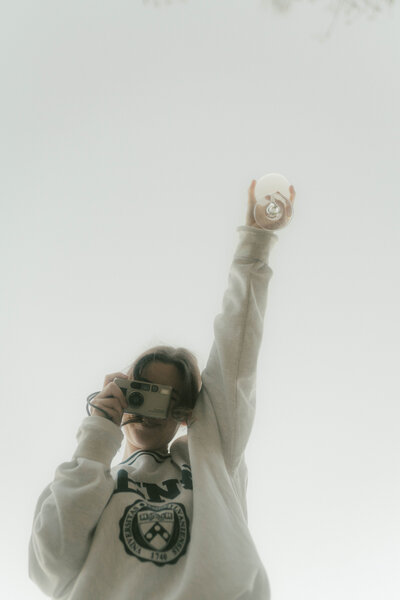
[166,374]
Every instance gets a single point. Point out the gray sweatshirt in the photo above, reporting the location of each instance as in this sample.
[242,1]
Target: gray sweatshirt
[167,526]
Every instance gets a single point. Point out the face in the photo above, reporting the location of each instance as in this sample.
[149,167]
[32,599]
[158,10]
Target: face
[154,434]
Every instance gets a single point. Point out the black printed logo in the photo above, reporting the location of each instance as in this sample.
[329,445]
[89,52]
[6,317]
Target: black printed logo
[159,534]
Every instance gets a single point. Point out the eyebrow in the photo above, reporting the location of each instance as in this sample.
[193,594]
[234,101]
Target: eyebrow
[148,381]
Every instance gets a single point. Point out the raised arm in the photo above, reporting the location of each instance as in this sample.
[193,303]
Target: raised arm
[229,379]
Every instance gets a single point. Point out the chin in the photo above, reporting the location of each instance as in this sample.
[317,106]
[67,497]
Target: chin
[146,437]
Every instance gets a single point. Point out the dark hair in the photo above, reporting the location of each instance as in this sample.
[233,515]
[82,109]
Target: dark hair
[184,360]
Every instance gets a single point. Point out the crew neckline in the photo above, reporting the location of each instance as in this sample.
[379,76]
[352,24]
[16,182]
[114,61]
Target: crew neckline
[153,453]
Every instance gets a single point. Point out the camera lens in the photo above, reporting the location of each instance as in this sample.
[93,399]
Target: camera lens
[136,399]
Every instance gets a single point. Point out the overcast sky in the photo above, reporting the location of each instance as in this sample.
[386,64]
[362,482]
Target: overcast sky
[130,134]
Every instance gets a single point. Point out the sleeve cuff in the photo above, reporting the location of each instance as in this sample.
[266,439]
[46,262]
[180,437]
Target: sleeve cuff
[255,243]
[98,439]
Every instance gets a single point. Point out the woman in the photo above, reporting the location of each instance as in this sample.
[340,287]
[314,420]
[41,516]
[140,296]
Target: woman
[169,521]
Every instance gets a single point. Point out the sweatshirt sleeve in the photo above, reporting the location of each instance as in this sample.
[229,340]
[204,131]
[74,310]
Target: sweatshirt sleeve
[69,509]
[229,379]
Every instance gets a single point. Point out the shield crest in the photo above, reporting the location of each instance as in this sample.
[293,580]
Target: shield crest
[156,527]
[159,534]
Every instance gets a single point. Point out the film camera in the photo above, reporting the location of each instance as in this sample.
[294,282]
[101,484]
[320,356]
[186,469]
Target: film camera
[146,399]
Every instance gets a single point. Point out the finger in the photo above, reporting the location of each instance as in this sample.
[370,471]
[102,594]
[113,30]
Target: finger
[292,194]
[98,411]
[114,391]
[101,407]
[109,378]
[109,403]
[251,190]
[111,397]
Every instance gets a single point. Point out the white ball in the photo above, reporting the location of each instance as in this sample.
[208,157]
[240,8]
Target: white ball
[271,183]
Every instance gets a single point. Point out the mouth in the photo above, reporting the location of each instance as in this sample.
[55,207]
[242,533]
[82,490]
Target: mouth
[143,421]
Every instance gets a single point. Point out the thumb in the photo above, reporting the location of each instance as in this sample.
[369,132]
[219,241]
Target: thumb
[252,196]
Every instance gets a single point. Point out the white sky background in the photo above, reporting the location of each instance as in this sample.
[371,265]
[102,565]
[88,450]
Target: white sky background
[129,137]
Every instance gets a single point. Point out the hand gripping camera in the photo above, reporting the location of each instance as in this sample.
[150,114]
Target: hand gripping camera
[146,399]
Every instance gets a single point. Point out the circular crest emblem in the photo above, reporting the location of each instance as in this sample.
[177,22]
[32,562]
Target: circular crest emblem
[159,534]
